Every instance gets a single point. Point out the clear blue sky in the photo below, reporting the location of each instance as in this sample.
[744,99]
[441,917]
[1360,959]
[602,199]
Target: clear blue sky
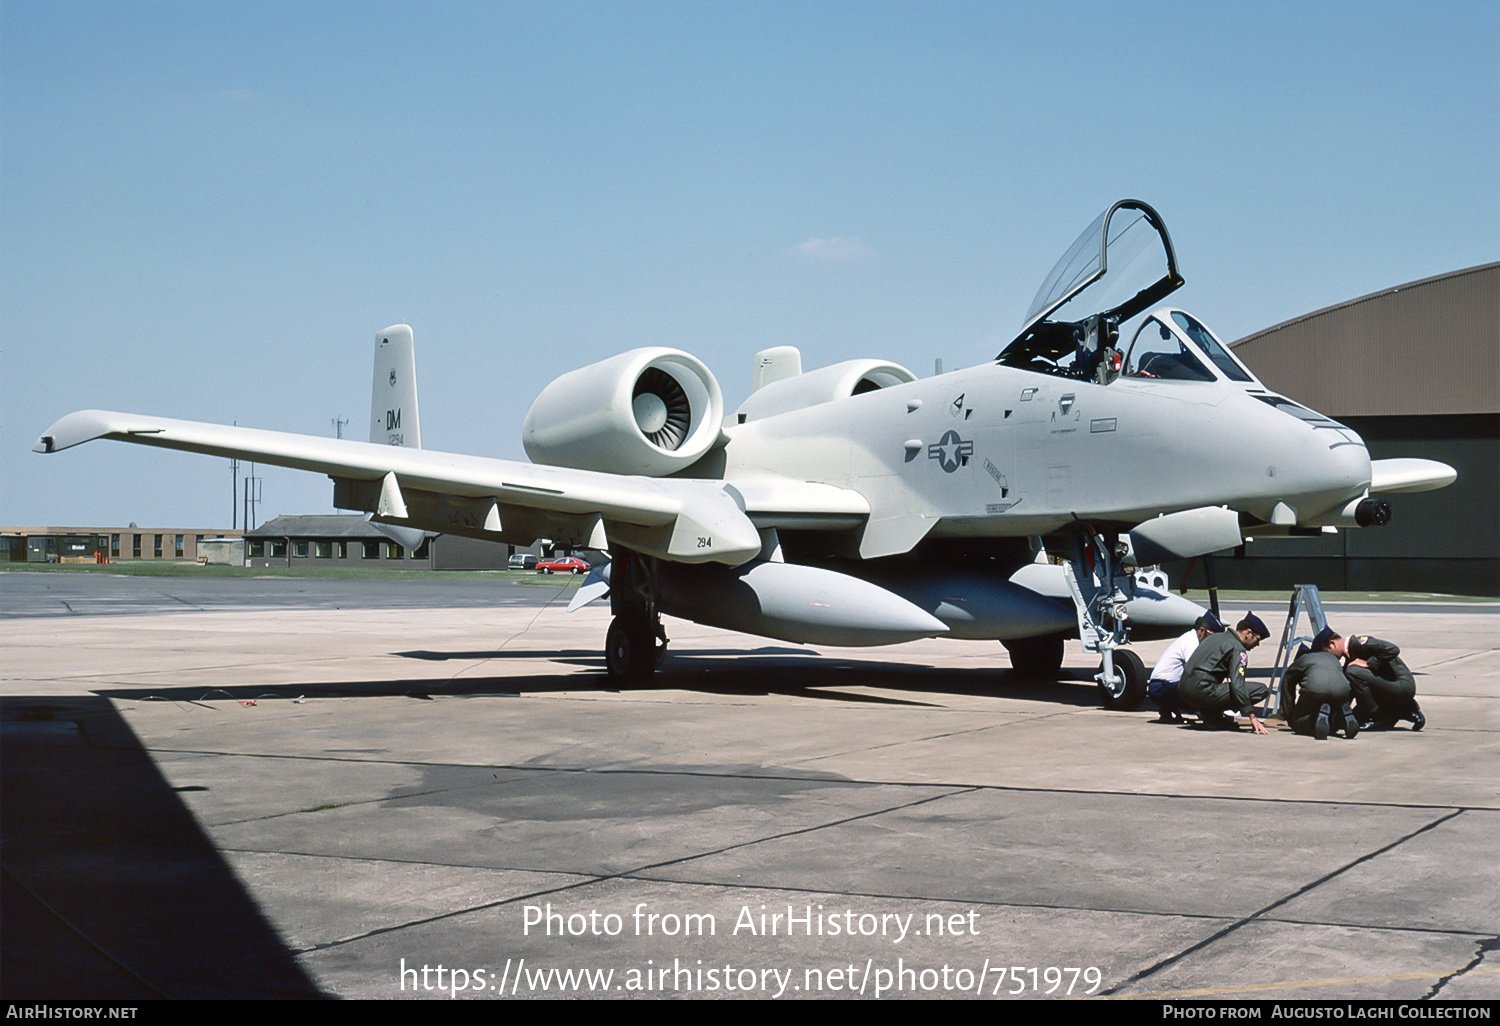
[207,210]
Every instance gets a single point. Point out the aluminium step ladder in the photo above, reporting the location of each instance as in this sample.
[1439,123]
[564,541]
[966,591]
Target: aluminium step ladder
[1305,601]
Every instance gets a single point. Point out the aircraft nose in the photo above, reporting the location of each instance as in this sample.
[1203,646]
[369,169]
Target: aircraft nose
[1332,468]
[1312,463]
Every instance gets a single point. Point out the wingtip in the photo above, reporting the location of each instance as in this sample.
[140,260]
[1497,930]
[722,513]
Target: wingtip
[74,429]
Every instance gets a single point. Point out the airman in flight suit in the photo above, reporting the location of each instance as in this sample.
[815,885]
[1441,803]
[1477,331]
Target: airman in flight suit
[1384,689]
[1320,695]
[1213,682]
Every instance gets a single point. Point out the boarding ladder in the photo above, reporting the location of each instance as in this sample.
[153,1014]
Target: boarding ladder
[1305,601]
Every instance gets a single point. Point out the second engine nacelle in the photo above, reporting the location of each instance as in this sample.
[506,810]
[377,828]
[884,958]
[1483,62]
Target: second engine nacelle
[824,385]
[651,411]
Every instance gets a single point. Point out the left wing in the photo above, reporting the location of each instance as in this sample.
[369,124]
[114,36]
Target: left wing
[685,520]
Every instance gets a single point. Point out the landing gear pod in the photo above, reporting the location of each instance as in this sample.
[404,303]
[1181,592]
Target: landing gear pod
[650,411]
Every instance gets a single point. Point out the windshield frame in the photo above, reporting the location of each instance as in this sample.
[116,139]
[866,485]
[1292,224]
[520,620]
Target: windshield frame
[1195,369]
[1220,357]
[1181,325]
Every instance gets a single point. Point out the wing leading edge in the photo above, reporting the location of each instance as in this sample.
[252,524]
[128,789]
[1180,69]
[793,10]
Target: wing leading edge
[684,520]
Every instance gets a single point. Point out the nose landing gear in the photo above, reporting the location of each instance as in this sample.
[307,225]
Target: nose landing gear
[1100,590]
[1125,688]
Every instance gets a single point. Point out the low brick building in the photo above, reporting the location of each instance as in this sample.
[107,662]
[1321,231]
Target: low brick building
[90,544]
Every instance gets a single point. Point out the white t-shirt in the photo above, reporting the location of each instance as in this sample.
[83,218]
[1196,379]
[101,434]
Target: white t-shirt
[1174,660]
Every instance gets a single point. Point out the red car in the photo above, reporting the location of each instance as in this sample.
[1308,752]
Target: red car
[562,565]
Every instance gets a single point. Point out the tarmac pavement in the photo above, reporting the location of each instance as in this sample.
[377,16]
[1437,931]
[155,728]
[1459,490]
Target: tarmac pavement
[253,795]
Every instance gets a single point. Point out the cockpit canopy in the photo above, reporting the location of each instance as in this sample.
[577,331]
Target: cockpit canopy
[1120,266]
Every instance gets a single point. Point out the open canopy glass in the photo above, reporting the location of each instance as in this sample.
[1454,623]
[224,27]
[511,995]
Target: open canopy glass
[1122,264]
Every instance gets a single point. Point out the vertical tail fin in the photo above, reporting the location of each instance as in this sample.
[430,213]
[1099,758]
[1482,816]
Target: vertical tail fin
[393,399]
[393,418]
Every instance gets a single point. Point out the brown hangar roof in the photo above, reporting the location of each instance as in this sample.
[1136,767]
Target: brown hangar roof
[1427,347]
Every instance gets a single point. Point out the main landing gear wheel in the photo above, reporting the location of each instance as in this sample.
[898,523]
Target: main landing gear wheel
[631,653]
[1036,658]
[1128,690]
[636,642]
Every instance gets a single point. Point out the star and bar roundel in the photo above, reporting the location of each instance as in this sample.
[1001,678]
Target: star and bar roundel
[951,452]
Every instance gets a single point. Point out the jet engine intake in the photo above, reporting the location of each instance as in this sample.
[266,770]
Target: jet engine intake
[651,411]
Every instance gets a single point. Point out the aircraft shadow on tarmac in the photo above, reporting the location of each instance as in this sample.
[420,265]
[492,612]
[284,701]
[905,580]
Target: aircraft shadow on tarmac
[776,670]
[110,889]
[767,671]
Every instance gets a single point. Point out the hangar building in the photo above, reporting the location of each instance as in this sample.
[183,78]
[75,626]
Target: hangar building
[1415,370]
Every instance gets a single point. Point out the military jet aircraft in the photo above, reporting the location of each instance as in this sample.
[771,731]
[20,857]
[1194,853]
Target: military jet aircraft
[858,505]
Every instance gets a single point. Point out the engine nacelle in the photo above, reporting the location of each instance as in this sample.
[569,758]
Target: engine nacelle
[824,385]
[651,411]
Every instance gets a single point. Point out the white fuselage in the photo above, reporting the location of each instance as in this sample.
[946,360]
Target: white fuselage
[996,451]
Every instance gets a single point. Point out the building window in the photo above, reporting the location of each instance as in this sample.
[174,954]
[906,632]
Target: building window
[372,550]
[178,546]
[114,546]
[156,548]
[394,551]
[323,549]
[135,546]
[278,548]
[421,550]
[255,548]
[341,550]
[299,549]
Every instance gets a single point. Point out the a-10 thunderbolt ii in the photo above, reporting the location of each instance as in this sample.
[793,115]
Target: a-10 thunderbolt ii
[857,505]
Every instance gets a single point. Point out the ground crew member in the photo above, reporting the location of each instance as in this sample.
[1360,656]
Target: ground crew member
[1384,689]
[1319,691]
[1213,681]
[1167,672]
